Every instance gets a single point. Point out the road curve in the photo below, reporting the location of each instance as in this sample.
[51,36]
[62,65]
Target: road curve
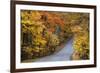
[62,55]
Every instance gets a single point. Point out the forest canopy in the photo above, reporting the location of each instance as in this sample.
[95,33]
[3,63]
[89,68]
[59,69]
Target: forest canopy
[43,31]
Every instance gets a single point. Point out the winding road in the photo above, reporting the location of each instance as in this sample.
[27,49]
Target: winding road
[62,55]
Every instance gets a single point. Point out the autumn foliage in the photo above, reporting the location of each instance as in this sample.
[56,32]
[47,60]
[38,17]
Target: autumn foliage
[43,31]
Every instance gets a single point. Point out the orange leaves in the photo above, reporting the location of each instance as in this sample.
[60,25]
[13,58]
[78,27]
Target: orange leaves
[53,19]
[58,20]
[50,29]
[35,15]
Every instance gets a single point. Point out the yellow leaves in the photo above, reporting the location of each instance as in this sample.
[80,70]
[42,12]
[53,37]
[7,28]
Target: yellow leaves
[39,41]
[26,22]
[74,16]
[35,15]
[29,17]
[31,25]
[43,42]
[78,41]
[36,49]
[76,29]
[39,30]
[24,15]
[54,41]
[28,50]
[81,44]
[49,29]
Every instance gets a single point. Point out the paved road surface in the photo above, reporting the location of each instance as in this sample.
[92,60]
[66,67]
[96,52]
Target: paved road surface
[62,55]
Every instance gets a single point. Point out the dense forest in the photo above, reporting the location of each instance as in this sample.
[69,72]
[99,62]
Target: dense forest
[43,31]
